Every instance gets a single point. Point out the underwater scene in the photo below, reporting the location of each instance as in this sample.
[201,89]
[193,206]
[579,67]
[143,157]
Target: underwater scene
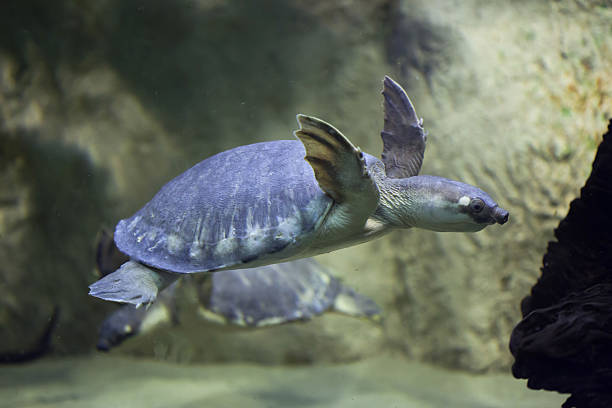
[306,203]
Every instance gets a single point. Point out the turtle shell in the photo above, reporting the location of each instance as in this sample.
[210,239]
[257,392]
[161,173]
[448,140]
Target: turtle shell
[232,208]
[273,294]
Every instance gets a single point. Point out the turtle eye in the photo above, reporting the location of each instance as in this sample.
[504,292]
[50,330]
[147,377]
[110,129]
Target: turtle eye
[477,205]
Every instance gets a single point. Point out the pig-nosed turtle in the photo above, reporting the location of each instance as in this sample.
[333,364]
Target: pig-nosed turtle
[263,203]
[263,296]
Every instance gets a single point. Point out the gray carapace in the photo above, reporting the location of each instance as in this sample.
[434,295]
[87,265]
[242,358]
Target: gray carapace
[263,203]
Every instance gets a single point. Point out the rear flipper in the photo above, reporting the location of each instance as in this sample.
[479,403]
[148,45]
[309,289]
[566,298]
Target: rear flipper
[132,283]
[349,302]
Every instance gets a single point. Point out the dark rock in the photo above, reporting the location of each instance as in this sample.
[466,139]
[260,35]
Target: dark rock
[42,346]
[56,200]
[563,342]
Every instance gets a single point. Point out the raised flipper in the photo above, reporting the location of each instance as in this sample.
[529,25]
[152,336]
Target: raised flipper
[339,166]
[403,135]
[132,283]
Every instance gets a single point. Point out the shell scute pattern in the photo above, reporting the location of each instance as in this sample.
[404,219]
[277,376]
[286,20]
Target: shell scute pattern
[231,208]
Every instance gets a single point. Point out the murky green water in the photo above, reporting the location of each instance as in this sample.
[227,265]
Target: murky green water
[102,103]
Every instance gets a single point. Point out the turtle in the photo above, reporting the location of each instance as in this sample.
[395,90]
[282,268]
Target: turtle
[250,298]
[276,201]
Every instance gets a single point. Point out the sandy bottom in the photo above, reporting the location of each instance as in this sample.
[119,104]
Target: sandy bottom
[106,381]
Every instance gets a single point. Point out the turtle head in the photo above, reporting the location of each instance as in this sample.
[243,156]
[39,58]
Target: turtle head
[440,204]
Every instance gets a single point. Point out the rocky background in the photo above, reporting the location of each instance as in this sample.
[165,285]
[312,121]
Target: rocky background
[102,102]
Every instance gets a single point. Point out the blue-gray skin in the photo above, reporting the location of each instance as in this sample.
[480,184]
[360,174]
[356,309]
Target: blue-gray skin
[268,295]
[263,203]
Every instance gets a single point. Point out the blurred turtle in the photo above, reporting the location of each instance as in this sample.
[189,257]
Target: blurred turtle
[263,203]
[263,296]
[130,320]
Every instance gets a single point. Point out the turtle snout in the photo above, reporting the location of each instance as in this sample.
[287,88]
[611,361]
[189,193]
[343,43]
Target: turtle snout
[500,215]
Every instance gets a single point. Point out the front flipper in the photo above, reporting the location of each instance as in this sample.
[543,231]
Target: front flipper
[338,165]
[403,135]
[132,283]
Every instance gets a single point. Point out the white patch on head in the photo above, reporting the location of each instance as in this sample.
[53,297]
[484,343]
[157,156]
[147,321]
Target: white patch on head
[464,201]
[174,243]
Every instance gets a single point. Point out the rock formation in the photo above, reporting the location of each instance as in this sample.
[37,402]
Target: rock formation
[563,342]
